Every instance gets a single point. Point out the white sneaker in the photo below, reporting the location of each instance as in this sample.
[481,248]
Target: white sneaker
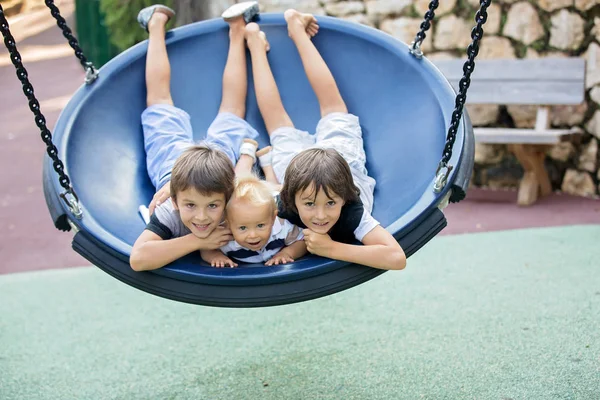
[247,9]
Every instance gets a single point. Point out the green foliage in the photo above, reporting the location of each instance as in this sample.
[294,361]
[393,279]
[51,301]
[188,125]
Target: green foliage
[539,45]
[520,49]
[503,19]
[464,10]
[120,18]
[412,12]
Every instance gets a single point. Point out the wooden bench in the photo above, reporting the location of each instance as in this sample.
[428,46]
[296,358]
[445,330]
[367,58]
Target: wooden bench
[541,82]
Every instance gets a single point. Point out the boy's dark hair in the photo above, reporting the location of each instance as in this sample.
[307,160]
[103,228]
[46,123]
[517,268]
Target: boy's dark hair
[206,169]
[326,169]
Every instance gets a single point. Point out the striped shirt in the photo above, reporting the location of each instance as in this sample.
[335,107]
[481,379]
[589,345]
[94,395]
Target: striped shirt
[283,234]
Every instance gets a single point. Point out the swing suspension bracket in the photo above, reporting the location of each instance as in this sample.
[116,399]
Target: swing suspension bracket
[68,196]
[441,176]
[72,201]
[91,73]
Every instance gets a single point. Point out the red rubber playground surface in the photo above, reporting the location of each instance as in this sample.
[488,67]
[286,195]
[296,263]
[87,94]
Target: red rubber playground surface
[30,241]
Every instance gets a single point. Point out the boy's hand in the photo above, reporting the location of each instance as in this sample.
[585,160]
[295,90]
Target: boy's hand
[217,239]
[160,197]
[317,243]
[280,258]
[221,260]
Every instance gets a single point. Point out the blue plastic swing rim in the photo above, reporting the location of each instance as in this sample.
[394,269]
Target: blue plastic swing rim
[405,223]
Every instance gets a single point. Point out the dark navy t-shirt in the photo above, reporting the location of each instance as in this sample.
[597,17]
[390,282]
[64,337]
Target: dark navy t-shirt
[346,229]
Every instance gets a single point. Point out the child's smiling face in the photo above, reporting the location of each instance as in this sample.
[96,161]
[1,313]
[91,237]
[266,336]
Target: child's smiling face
[319,213]
[201,214]
[250,224]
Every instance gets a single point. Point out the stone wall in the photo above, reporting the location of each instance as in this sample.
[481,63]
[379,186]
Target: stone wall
[14,7]
[515,29]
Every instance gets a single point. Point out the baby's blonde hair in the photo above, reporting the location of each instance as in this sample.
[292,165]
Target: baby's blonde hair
[254,190]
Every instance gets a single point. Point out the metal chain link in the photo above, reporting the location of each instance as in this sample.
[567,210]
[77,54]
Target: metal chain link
[69,195]
[415,46]
[91,73]
[444,169]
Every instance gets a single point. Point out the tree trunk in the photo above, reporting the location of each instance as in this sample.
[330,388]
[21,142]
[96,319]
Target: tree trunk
[189,11]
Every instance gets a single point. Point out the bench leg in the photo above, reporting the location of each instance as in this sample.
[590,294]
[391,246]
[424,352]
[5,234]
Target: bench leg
[535,180]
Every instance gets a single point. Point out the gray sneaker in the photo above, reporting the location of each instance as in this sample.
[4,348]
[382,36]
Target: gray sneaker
[145,14]
[247,9]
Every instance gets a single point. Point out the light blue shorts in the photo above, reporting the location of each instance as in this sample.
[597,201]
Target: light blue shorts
[168,132]
[338,131]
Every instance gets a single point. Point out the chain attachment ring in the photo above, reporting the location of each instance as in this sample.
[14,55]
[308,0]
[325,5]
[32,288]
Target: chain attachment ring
[415,49]
[91,73]
[441,176]
[72,201]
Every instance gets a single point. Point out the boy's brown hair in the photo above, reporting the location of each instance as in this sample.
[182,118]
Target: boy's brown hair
[326,169]
[206,169]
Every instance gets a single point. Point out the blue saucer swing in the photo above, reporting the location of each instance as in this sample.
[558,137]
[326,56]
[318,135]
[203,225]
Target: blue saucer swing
[410,115]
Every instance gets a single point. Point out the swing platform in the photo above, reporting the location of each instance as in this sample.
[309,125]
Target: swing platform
[404,105]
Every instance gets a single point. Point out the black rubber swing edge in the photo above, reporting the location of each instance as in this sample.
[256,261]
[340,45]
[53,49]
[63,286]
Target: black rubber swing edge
[465,167]
[117,265]
[55,206]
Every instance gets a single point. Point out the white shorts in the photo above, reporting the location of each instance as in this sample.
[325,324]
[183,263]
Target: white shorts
[168,133]
[338,131]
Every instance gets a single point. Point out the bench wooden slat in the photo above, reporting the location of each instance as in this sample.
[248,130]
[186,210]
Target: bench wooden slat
[539,69]
[529,136]
[533,81]
[520,92]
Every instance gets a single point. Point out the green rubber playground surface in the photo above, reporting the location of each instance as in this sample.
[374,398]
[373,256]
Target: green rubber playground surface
[503,315]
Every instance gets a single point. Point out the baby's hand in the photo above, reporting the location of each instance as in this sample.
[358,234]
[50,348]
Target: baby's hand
[160,197]
[221,260]
[279,258]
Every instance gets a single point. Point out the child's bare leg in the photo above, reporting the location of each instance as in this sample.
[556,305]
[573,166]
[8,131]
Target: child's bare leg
[247,157]
[235,79]
[244,165]
[158,69]
[267,95]
[301,27]
[264,157]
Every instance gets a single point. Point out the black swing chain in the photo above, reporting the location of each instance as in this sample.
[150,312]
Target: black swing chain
[40,120]
[91,73]
[443,169]
[465,82]
[415,46]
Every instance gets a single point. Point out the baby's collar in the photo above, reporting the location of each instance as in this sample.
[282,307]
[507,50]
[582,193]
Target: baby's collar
[277,226]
